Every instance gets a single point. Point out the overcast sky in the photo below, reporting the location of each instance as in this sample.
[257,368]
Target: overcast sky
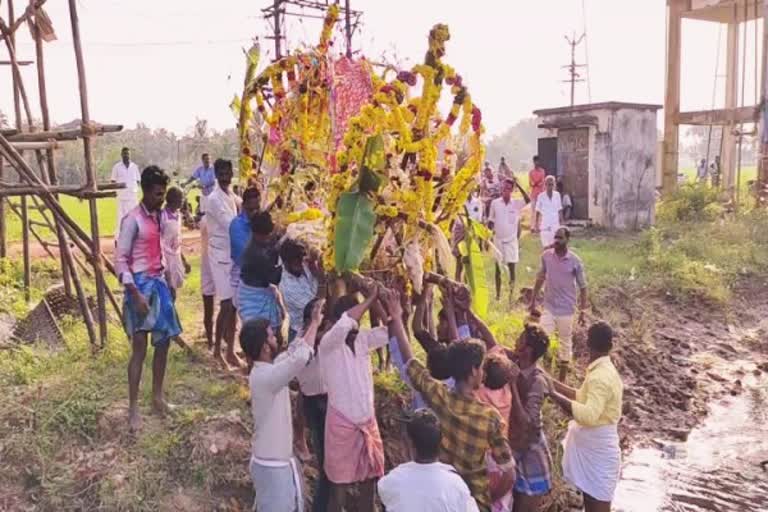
[167,62]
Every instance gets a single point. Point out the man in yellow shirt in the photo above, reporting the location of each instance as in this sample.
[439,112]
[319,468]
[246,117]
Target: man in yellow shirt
[592,457]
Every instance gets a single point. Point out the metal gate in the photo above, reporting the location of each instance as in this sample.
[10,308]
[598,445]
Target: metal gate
[573,165]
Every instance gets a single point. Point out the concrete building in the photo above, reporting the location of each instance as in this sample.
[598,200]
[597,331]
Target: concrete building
[605,154]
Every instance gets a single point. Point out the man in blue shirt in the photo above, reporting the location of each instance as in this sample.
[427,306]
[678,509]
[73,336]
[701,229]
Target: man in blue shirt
[205,176]
[240,234]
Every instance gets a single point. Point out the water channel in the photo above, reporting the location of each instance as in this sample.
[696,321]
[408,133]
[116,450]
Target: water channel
[718,469]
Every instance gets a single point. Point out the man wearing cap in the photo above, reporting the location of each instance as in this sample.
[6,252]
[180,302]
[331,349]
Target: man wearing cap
[425,484]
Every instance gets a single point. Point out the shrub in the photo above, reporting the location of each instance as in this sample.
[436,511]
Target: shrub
[691,202]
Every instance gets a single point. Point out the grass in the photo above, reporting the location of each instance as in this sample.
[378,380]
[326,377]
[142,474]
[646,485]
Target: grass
[76,208]
[62,416]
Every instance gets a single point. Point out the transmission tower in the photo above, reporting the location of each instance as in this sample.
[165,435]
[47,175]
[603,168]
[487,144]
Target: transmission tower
[280,9]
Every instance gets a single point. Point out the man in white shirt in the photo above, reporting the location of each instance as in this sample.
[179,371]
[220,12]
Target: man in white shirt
[354,451]
[549,213]
[504,219]
[425,485]
[128,173]
[221,207]
[275,473]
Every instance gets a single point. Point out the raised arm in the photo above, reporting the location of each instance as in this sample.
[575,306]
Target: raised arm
[449,307]
[482,330]
[526,197]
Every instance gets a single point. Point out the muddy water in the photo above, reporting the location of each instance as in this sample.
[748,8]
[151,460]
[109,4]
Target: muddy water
[716,469]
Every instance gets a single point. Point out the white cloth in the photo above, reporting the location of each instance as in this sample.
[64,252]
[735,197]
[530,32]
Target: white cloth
[207,287]
[592,459]
[563,326]
[347,376]
[475,208]
[278,486]
[271,403]
[310,379]
[129,175]
[123,207]
[508,251]
[170,242]
[297,293]
[221,208]
[506,218]
[435,487]
[549,208]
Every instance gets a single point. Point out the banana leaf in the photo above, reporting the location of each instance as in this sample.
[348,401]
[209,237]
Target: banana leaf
[374,160]
[355,220]
[475,269]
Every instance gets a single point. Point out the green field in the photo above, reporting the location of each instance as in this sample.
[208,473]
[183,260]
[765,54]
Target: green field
[79,211]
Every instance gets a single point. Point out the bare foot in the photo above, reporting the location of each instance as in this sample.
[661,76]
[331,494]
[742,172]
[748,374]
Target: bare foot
[233,360]
[162,408]
[221,361]
[134,420]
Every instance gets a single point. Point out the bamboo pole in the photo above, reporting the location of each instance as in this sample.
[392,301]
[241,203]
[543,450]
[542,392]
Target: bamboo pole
[63,135]
[34,146]
[2,215]
[16,82]
[72,190]
[89,175]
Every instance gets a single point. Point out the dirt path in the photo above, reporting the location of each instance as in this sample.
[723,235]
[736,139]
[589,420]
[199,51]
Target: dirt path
[36,250]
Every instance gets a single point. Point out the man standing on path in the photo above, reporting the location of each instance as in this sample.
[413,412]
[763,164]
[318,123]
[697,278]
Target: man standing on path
[125,172]
[504,170]
[490,187]
[702,172]
[562,271]
[425,484]
[240,236]
[592,455]
[205,175]
[221,208]
[470,429]
[536,178]
[276,476]
[148,305]
[549,213]
[504,221]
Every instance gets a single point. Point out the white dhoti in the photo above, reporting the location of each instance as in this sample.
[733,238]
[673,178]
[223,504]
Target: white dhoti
[592,459]
[124,205]
[220,265]
[507,251]
[563,327]
[207,287]
[547,235]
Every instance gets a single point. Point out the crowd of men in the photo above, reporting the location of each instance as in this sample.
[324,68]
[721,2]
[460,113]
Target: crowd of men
[474,428]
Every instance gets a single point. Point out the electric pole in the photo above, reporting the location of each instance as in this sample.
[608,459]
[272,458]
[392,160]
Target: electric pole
[280,9]
[573,67]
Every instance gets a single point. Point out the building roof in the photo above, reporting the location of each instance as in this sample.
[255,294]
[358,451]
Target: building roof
[590,107]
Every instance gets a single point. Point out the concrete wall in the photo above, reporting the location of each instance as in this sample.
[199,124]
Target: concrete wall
[622,167]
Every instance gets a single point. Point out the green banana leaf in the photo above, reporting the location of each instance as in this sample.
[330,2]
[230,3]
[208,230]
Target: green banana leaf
[374,161]
[355,220]
[475,269]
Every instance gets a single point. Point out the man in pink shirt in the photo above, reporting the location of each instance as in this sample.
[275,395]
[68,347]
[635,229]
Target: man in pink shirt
[148,305]
[536,177]
[354,452]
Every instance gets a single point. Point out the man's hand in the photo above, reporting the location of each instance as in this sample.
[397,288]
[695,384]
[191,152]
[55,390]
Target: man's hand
[141,304]
[514,372]
[462,298]
[317,312]
[392,303]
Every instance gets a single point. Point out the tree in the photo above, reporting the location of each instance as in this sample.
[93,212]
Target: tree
[517,145]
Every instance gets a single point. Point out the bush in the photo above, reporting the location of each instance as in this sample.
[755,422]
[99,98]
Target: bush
[691,202]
